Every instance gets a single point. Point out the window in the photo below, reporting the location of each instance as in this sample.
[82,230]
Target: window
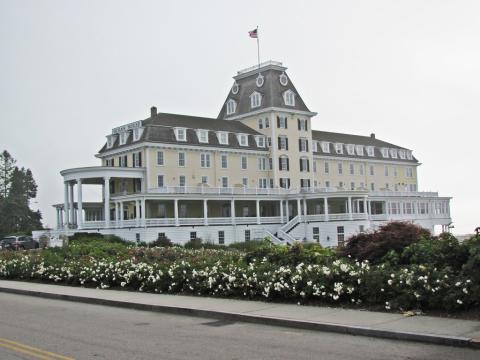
[137,159]
[372,186]
[340,235]
[262,163]
[283,163]
[202,136]
[267,123]
[136,134]
[260,141]
[205,160]
[316,234]
[181,134]
[303,145]
[247,235]
[193,235]
[243,139]
[255,99]
[222,138]
[181,159]
[409,155]
[260,123]
[340,168]
[412,187]
[224,160]
[221,237]
[359,149]
[409,172]
[340,184]
[350,149]
[123,137]
[396,187]
[327,167]
[160,158]
[289,98]
[245,182]
[325,147]
[262,183]
[282,143]
[244,162]
[408,208]
[386,170]
[393,153]
[263,123]
[314,166]
[395,171]
[204,180]
[285,183]
[181,181]
[269,141]
[361,169]
[110,141]
[314,146]
[302,124]
[394,208]
[370,151]
[384,152]
[352,186]
[160,181]
[282,122]
[304,164]
[224,181]
[137,237]
[401,153]
[352,169]
[372,170]
[161,235]
[339,148]
[231,106]
[122,161]
[327,184]
[304,183]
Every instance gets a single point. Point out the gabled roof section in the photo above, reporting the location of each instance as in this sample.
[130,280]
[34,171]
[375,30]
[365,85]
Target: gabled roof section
[272,90]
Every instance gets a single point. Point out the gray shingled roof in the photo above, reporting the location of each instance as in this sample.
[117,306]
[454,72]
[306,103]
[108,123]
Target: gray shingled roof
[160,129]
[272,94]
[357,140]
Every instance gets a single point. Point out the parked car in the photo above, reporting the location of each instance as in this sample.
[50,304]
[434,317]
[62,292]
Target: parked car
[18,243]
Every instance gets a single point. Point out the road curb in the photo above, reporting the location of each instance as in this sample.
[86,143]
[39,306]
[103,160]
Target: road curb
[265,320]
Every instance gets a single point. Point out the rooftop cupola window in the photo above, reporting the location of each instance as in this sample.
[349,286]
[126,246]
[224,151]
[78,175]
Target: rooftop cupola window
[384,152]
[289,98]
[370,150]
[231,106]
[255,99]
[339,148]
[181,134]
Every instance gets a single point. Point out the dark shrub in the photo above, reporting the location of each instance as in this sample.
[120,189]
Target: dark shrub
[373,246]
[194,244]
[162,241]
[471,269]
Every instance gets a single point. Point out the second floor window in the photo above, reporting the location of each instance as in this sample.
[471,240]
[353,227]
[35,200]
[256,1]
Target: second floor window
[352,169]
[283,163]
[282,143]
[282,122]
[340,168]
[244,162]
[409,172]
[303,145]
[160,181]
[224,161]
[160,158]
[181,159]
[327,167]
[182,181]
[302,124]
[205,160]
[304,164]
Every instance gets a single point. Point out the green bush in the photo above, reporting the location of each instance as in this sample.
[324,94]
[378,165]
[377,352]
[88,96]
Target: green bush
[162,242]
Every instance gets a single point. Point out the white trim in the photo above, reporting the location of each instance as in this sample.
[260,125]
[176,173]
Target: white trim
[273,108]
[365,159]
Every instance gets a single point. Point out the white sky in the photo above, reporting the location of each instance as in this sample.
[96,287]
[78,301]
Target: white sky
[409,71]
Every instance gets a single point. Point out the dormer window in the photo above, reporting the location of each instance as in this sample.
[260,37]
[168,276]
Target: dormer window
[231,106]
[222,137]
[409,155]
[260,141]
[339,148]
[243,139]
[181,134]
[289,98]
[384,152]
[123,137]
[325,146]
[351,149]
[359,149]
[255,99]
[393,153]
[314,146]
[202,136]
[110,141]
[370,151]
[401,153]
[137,132]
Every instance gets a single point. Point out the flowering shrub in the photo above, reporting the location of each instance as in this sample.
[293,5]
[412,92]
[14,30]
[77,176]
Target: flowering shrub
[266,272]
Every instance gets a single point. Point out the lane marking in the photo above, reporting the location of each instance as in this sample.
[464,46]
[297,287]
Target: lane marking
[39,353]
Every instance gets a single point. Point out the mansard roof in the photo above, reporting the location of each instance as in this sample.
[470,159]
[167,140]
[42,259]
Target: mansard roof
[332,138]
[272,90]
[160,129]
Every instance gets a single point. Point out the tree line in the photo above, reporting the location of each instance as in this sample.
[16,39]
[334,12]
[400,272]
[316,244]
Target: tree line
[17,189]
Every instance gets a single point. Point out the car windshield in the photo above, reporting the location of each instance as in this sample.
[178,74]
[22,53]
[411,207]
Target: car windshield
[8,240]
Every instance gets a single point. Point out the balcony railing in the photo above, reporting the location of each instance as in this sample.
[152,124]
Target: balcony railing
[403,193]
[219,190]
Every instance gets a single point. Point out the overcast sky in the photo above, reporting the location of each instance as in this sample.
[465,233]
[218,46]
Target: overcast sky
[409,71]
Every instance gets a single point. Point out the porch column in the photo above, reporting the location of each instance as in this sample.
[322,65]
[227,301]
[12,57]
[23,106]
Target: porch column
[121,213]
[58,218]
[365,207]
[60,213]
[258,211]
[205,212]
[281,211]
[287,211]
[305,209]
[137,211]
[106,197]
[325,208]
[72,203]
[144,212]
[65,205]
[350,215]
[116,213]
[299,210]
[79,204]
[232,211]
[175,212]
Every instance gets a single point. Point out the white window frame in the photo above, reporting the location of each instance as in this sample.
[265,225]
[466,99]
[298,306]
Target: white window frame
[202,136]
[255,99]
[181,159]
[260,141]
[289,98]
[204,177]
[401,154]
[339,148]
[326,167]
[231,106]
[325,146]
[180,177]
[222,137]
[350,149]
[340,168]
[160,157]
[205,160]
[393,153]
[224,181]
[242,139]
[222,157]
[181,134]
[352,169]
[283,142]
[384,152]
[162,182]
[244,162]
[359,149]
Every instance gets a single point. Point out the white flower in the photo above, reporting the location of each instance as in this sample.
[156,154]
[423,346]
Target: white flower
[390,282]
[459,301]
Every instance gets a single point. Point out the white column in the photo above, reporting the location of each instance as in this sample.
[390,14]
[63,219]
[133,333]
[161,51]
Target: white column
[258,211]
[325,207]
[232,211]
[66,205]
[281,211]
[365,207]
[137,212]
[350,216]
[287,211]
[58,218]
[61,218]
[116,214]
[299,210]
[305,212]
[205,212]
[144,212]
[121,213]
[79,204]
[106,200]
[72,203]
[175,211]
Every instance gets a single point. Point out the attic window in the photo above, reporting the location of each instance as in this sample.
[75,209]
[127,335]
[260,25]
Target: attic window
[181,134]
[359,149]
[202,136]
[137,132]
[123,137]
[231,106]
[222,137]
[325,147]
[393,153]
[283,79]
[370,151]
[110,141]
[351,149]
[260,80]
[243,139]
[401,153]
[409,155]
[260,141]
[339,148]
[384,152]
[289,98]
[255,99]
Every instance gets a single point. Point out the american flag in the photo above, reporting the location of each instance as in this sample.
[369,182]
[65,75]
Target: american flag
[253,33]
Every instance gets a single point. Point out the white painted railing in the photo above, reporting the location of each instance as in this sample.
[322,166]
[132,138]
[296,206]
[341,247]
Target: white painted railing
[219,220]
[337,217]
[403,193]
[93,224]
[272,237]
[290,224]
[160,222]
[218,190]
[316,217]
[285,236]
[270,220]
[359,216]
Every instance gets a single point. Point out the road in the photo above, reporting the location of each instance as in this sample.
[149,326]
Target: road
[36,328]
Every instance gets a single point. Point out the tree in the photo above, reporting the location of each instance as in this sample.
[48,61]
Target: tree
[17,188]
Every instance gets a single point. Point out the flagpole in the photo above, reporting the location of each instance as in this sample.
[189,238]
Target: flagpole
[258,47]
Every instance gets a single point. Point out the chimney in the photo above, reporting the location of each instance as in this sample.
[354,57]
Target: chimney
[153,111]
[372,135]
